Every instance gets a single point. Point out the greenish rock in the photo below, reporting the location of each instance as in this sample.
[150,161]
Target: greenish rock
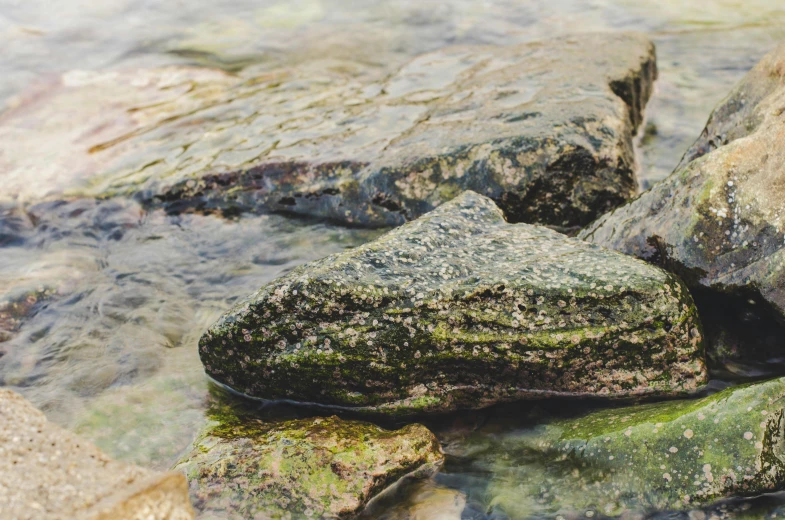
[460,309]
[544,128]
[717,221]
[320,467]
[677,455]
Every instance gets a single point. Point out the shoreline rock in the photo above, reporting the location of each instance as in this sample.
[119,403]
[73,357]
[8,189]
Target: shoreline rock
[47,472]
[543,128]
[460,309]
[717,221]
[320,467]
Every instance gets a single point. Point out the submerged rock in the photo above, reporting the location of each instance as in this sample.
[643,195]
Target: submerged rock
[545,129]
[675,455]
[49,473]
[302,468]
[16,308]
[425,501]
[717,221]
[461,309]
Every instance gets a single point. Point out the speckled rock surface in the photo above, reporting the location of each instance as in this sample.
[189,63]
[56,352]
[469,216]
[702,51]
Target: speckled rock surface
[718,220]
[461,309]
[302,468]
[669,456]
[545,129]
[48,473]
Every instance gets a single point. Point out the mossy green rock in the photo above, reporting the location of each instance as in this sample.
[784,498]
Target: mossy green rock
[717,221]
[543,128]
[461,309]
[304,468]
[675,455]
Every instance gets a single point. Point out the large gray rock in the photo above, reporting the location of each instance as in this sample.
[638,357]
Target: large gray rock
[305,468]
[545,129]
[49,473]
[717,221]
[461,309]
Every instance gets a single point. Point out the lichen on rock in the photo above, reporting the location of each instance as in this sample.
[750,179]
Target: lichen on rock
[322,467]
[676,455]
[460,309]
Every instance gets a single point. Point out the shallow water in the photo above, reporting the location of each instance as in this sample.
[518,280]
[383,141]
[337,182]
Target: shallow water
[120,296]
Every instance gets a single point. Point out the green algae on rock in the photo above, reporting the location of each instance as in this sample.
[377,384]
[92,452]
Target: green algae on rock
[544,128]
[717,221]
[674,455]
[303,468]
[460,309]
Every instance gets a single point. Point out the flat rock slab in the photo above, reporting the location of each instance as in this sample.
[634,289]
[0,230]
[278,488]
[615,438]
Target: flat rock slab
[718,220]
[676,455]
[48,473]
[460,309]
[545,129]
[304,468]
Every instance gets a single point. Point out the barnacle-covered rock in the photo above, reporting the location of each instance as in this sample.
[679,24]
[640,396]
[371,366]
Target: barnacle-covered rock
[320,467]
[543,128]
[675,455]
[461,309]
[718,220]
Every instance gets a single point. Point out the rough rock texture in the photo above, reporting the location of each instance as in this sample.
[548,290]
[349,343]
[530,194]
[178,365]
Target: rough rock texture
[48,473]
[668,456]
[461,309]
[303,468]
[717,221]
[545,129]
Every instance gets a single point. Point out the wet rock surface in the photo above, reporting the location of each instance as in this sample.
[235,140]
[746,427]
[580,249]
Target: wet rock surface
[16,308]
[460,309]
[322,467]
[47,472]
[717,221]
[668,456]
[545,129]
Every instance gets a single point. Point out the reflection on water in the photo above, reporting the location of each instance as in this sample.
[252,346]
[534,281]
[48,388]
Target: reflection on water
[112,351]
[113,299]
[703,47]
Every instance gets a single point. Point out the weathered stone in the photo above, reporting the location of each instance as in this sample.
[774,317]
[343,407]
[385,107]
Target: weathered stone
[461,309]
[676,455]
[47,472]
[544,128]
[302,468]
[717,221]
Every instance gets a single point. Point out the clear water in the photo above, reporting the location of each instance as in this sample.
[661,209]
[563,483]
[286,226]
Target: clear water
[123,295]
